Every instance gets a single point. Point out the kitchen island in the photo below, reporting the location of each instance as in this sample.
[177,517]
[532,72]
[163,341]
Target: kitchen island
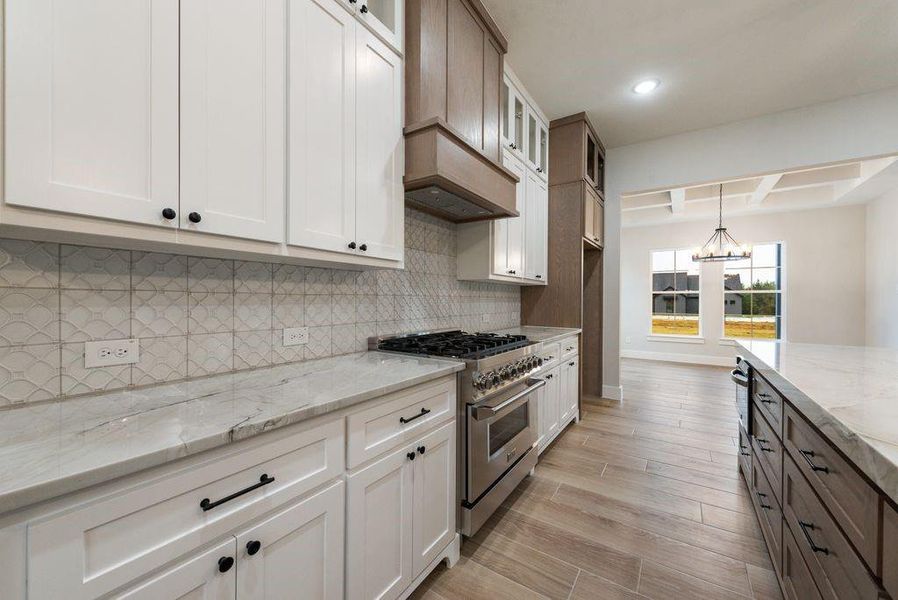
[821,461]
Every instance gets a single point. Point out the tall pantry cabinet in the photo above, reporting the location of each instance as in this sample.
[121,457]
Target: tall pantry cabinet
[272,127]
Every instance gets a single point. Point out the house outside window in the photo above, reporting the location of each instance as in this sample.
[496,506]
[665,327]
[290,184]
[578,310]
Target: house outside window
[676,300]
[753,294]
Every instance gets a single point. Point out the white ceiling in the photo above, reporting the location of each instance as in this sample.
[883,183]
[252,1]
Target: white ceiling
[833,185]
[718,60]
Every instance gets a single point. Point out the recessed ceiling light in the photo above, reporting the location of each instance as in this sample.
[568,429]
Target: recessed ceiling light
[646,86]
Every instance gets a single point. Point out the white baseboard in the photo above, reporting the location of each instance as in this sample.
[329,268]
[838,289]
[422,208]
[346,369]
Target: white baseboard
[613,392]
[695,359]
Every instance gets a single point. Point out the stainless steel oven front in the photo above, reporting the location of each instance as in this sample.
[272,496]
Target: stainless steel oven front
[501,433]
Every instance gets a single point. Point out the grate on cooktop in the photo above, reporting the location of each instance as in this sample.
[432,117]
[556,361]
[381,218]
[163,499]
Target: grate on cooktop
[455,344]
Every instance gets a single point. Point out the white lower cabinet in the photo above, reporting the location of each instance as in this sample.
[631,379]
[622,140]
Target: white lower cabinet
[569,375]
[272,517]
[297,553]
[549,414]
[199,577]
[400,515]
[558,399]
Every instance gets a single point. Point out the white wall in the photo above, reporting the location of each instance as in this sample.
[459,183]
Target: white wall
[855,127]
[882,271]
[824,283]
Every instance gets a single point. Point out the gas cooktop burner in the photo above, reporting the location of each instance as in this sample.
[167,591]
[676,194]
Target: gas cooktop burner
[455,344]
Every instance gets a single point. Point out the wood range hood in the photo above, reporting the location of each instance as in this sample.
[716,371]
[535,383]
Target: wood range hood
[454,66]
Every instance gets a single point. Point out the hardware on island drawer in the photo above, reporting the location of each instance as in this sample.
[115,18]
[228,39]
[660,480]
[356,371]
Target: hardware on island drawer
[806,528]
[423,412]
[207,504]
[761,497]
[808,455]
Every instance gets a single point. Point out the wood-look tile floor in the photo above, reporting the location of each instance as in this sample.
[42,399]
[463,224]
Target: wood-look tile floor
[641,499]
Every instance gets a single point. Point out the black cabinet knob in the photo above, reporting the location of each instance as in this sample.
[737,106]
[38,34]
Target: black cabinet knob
[363,247]
[352,245]
[169,213]
[225,563]
[364,9]
[353,1]
[194,217]
[253,546]
[411,455]
[421,449]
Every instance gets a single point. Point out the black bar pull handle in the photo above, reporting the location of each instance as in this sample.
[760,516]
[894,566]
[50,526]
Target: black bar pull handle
[761,501]
[423,412]
[804,529]
[207,504]
[808,455]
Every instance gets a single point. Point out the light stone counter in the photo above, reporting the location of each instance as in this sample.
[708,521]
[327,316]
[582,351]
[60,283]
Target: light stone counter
[56,448]
[541,334]
[850,393]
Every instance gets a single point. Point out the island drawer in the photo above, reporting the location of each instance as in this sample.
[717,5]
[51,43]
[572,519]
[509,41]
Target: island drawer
[769,402]
[768,451]
[850,499]
[890,550]
[398,419]
[797,579]
[770,515]
[99,546]
[569,346]
[836,568]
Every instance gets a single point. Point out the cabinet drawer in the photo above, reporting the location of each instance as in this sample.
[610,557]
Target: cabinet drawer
[770,402]
[569,346]
[550,353]
[890,550]
[837,570]
[745,454]
[98,547]
[797,580]
[853,502]
[770,515]
[768,451]
[398,419]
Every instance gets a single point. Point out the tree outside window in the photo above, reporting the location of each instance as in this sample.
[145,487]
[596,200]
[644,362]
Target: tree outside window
[676,303]
[753,294]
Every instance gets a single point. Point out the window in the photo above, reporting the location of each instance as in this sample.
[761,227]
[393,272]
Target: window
[753,294]
[676,304]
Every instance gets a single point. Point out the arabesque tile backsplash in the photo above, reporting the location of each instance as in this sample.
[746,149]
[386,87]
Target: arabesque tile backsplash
[199,316]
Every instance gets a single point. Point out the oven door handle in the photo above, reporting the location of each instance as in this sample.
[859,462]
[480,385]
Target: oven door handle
[738,378]
[483,413]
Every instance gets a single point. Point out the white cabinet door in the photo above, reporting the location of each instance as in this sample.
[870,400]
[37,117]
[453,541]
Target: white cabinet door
[92,107]
[199,577]
[512,116]
[434,502]
[569,375]
[321,128]
[539,397]
[386,18]
[552,397]
[535,227]
[296,553]
[380,207]
[532,149]
[508,249]
[233,117]
[379,528]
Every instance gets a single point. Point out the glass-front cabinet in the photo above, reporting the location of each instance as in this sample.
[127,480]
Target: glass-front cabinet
[384,17]
[537,151]
[595,164]
[513,125]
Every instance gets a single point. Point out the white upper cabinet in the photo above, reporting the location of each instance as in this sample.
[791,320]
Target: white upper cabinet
[92,107]
[380,208]
[384,17]
[513,124]
[536,214]
[233,60]
[322,131]
[345,159]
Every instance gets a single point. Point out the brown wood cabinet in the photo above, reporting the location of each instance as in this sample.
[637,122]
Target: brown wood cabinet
[798,583]
[767,450]
[594,218]
[770,402]
[577,153]
[890,550]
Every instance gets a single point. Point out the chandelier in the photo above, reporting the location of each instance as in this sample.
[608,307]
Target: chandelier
[721,245]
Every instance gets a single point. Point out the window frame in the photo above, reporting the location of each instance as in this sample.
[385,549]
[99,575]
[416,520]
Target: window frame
[781,291]
[652,293]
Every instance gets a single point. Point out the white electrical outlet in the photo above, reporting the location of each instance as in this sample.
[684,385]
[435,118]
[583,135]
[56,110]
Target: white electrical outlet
[111,352]
[294,336]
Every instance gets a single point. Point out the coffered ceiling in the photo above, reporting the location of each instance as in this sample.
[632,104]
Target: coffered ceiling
[832,185]
[718,61]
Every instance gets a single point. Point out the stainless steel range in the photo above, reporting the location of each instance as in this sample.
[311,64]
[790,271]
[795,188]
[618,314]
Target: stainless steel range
[496,419]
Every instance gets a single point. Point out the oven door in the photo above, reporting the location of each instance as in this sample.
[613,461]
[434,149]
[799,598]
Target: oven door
[501,430]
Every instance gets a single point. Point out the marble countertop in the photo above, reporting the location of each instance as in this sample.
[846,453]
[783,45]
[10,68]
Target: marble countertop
[56,448]
[850,393]
[541,334]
